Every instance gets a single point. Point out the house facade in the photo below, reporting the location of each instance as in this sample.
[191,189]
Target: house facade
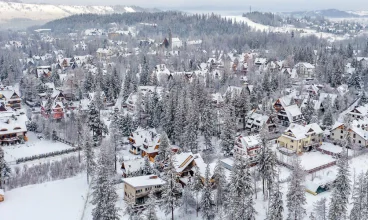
[300,138]
[358,133]
[248,146]
[137,189]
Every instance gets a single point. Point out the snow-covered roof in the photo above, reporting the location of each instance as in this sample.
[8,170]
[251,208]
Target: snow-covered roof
[306,65]
[182,160]
[292,111]
[250,141]
[300,132]
[360,110]
[146,139]
[260,60]
[144,181]
[256,119]
[133,165]
[11,125]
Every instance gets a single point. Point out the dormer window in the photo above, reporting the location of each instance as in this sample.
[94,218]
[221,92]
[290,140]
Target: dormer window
[3,129]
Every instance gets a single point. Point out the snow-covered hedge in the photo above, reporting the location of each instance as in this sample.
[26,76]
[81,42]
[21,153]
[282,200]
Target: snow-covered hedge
[51,154]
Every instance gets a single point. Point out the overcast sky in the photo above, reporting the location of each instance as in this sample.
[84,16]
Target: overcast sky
[225,5]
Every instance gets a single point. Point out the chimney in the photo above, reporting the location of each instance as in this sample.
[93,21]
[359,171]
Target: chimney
[153,177]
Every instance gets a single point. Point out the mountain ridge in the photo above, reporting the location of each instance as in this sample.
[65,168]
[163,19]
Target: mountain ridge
[47,12]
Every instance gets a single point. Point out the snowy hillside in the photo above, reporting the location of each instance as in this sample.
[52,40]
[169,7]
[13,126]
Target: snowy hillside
[44,12]
[360,13]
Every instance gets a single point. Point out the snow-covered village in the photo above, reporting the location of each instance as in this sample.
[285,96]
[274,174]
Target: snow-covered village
[130,113]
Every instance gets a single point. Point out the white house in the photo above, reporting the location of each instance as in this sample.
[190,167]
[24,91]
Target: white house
[249,146]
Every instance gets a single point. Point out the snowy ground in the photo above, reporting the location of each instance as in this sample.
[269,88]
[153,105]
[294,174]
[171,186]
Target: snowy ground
[33,146]
[57,200]
[65,199]
[286,29]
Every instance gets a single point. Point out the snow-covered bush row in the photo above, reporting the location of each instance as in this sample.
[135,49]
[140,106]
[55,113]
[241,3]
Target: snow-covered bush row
[65,168]
[51,154]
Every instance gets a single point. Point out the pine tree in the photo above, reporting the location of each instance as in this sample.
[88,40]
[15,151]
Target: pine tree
[206,199]
[164,148]
[220,181]
[341,190]
[240,202]
[359,198]
[95,124]
[144,76]
[191,143]
[5,170]
[208,125]
[171,188]
[147,169]
[328,117]
[355,81]
[308,110]
[320,209]
[150,212]
[89,157]
[296,193]
[228,130]
[197,185]
[104,196]
[276,207]
[187,201]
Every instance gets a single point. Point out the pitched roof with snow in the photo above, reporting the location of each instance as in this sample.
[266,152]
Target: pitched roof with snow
[144,181]
[182,160]
[146,139]
[134,165]
[292,111]
[250,141]
[299,132]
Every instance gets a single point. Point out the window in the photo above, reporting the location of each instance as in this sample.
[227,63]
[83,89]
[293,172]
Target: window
[342,131]
[341,137]
[332,134]
[360,142]
[292,141]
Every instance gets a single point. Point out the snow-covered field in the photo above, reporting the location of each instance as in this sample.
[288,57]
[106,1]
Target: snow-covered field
[286,29]
[33,146]
[65,199]
[58,200]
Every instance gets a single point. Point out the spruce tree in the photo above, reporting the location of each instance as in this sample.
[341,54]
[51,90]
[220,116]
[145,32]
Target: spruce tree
[206,199]
[171,189]
[296,193]
[208,125]
[89,157]
[147,169]
[104,196]
[197,185]
[5,170]
[164,148]
[308,110]
[220,181]
[276,207]
[150,212]
[341,190]
[320,209]
[228,129]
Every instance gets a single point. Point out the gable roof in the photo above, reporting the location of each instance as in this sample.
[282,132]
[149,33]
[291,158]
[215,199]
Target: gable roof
[300,131]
